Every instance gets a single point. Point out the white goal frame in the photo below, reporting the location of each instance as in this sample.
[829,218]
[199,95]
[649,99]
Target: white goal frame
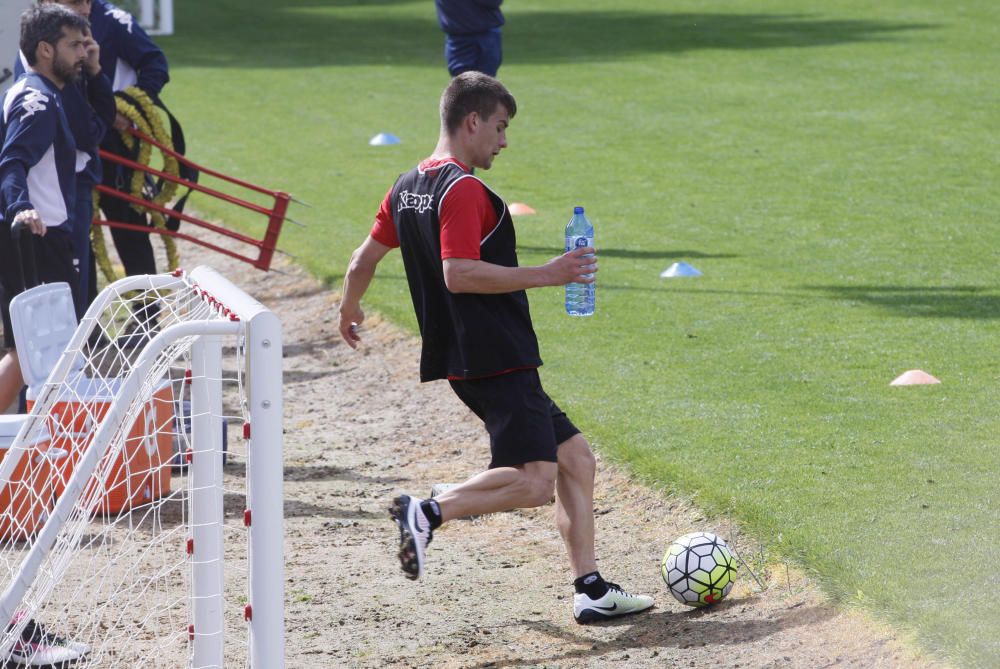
[235,316]
[157,16]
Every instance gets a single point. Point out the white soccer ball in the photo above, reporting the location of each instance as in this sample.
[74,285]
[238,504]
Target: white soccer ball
[699,569]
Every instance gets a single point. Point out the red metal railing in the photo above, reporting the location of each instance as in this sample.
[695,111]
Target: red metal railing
[276,214]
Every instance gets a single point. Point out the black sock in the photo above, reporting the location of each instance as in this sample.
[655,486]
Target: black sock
[592,585]
[432,510]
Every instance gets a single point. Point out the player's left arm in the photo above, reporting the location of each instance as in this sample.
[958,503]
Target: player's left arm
[467,217]
[464,275]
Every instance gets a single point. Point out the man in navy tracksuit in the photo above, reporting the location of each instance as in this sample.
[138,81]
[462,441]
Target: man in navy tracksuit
[129,58]
[90,109]
[473,41]
[458,245]
[38,162]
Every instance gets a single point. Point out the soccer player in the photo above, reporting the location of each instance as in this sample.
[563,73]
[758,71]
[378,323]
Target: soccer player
[457,240]
[473,42]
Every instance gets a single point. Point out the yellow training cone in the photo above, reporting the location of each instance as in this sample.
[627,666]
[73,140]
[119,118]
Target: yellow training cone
[914,377]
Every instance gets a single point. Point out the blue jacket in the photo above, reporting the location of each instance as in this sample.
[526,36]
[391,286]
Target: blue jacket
[128,56]
[467,17]
[90,111]
[38,158]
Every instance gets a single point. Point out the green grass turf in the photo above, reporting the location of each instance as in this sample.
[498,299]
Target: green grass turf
[831,169]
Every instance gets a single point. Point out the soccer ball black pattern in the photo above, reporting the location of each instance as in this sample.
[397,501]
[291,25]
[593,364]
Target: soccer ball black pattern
[699,569]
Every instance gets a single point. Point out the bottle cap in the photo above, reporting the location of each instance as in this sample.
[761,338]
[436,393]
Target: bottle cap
[577,210]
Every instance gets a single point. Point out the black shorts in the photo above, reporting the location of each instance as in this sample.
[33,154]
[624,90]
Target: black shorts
[54,260]
[524,424]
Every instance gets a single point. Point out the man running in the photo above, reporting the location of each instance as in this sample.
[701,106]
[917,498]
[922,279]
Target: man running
[458,245]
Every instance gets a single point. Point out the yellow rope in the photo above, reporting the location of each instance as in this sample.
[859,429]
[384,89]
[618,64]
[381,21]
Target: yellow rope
[147,120]
[100,250]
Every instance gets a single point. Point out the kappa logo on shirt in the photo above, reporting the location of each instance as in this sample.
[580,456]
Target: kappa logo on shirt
[34,101]
[408,200]
[120,15]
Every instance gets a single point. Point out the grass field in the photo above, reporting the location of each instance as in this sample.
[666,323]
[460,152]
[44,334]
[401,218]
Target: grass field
[831,169]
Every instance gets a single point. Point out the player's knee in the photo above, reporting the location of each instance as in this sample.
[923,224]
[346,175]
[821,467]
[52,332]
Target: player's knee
[536,490]
[576,458]
[541,492]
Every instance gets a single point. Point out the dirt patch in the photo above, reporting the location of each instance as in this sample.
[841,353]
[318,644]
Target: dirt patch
[359,428]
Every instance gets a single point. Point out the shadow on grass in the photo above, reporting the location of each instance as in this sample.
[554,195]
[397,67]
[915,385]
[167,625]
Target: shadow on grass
[667,629]
[594,36]
[310,33]
[923,301]
[636,254]
[904,301]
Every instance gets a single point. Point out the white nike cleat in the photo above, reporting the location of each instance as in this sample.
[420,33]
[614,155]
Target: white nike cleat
[615,602]
[414,534]
[38,648]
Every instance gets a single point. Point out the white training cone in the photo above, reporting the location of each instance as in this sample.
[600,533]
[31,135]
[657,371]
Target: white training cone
[520,209]
[383,139]
[914,377]
[679,269]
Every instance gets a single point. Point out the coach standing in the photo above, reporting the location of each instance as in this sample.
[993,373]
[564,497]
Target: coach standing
[129,58]
[473,42]
[38,162]
[90,109]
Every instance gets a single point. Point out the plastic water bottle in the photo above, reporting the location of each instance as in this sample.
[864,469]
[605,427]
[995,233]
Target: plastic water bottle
[580,297]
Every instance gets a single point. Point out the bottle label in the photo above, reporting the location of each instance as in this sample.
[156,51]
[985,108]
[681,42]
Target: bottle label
[578,243]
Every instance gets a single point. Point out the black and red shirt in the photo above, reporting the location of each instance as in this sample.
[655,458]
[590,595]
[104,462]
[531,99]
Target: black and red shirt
[437,211]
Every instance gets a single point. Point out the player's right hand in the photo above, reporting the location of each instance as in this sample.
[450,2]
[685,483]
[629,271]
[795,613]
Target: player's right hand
[31,220]
[121,122]
[350,323]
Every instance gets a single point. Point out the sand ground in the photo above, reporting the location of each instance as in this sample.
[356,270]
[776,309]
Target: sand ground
[360,428]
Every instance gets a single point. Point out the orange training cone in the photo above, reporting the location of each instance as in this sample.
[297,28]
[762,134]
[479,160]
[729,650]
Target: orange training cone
[520,209]
[914,377]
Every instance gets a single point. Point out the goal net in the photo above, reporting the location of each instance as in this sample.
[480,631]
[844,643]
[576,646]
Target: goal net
[141,501]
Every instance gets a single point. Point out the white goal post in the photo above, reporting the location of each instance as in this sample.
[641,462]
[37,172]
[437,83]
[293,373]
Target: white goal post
[121,528]
[157,16]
